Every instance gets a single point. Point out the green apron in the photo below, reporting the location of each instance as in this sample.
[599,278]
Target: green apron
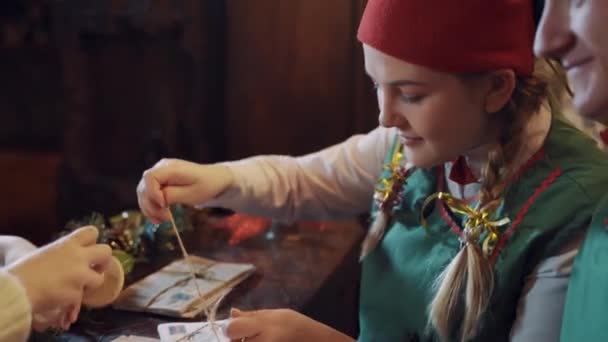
[553,197]
[586,311]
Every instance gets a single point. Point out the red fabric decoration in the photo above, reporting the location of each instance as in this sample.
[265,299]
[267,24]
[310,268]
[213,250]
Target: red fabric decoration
[461,173]
[456,36]
[242,227]
[604,136]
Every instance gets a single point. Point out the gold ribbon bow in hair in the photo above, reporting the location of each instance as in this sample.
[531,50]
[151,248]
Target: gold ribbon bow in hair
[478,221]
[389,190]
[388,194]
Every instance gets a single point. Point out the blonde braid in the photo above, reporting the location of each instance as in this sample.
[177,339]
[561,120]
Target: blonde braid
[477,277]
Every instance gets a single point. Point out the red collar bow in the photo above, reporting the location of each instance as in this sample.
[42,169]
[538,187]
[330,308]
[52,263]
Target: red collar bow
[461,173]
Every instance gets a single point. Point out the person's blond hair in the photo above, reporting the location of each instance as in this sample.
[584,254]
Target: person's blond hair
[467,282]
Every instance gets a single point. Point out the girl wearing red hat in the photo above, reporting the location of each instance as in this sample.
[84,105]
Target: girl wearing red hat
[480,193]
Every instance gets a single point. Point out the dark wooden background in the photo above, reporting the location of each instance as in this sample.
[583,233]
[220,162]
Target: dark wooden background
[92,92]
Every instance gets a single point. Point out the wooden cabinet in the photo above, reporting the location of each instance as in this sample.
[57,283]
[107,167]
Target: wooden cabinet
[295,79]
[132,81]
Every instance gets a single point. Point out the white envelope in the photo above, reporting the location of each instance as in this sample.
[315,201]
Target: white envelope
[192,332]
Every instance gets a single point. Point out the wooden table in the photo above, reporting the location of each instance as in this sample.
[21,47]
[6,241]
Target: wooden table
[314,272]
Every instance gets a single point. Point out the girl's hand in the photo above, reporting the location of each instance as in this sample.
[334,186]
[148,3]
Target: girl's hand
[279,325]
[173,181]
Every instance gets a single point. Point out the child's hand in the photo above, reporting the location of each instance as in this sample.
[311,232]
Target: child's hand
[277,326]
[55,275]
[173,181]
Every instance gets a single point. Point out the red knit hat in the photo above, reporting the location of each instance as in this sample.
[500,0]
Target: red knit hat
[458,36]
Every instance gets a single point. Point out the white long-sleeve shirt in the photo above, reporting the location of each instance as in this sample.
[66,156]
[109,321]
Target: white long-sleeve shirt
[336,182]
